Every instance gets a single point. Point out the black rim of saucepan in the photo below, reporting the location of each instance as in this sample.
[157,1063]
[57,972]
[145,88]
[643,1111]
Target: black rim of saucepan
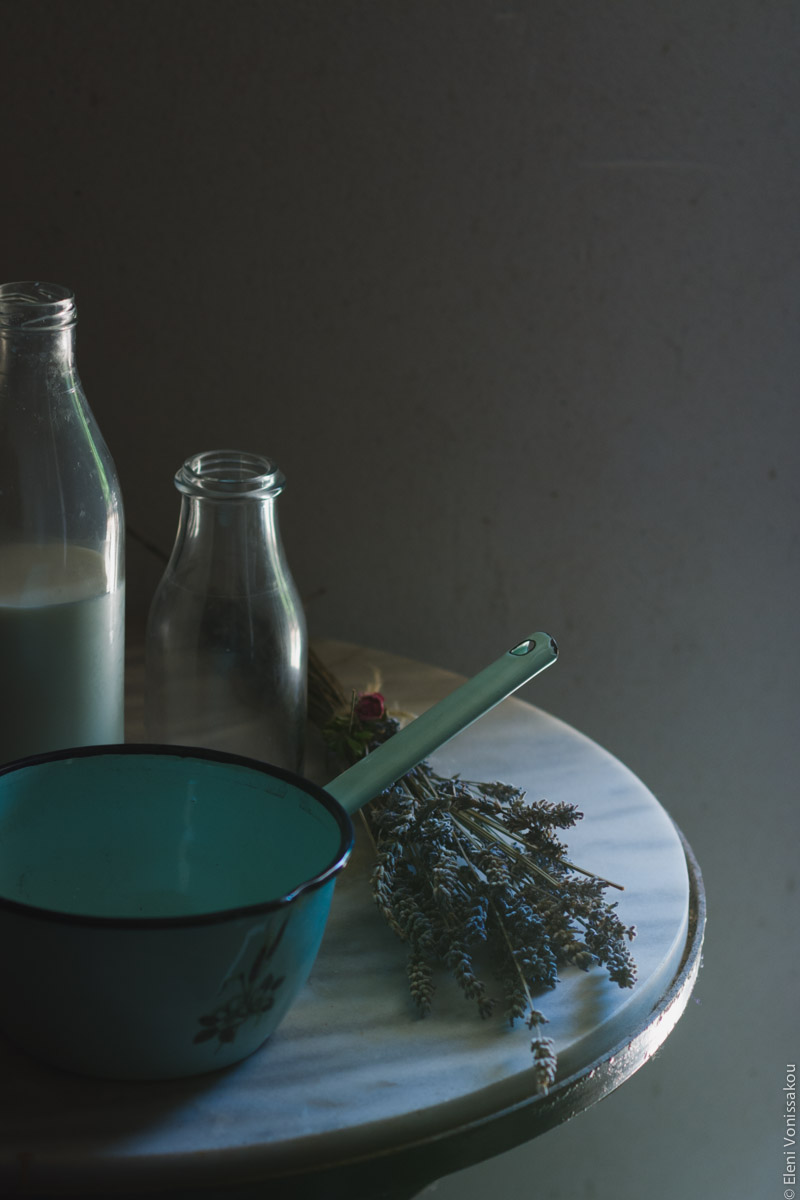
[345,826]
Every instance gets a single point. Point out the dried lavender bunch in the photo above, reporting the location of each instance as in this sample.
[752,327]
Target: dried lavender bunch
[470,871]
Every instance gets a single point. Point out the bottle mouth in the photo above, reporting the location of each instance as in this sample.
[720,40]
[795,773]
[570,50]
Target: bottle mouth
[229,474]
[36,307]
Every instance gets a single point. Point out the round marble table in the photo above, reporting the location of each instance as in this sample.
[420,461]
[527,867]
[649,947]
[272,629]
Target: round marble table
[354,1095]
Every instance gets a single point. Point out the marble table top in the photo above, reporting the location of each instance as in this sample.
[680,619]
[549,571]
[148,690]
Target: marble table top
[352,1072]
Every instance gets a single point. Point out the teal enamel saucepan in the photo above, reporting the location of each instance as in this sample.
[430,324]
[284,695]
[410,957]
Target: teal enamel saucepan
[160,906]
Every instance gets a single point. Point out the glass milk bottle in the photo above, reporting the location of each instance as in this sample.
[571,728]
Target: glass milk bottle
[61,538]
[226,634]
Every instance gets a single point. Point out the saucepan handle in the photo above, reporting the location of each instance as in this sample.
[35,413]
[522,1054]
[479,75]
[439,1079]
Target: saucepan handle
[370,775]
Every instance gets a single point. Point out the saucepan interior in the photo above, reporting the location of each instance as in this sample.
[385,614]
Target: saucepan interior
[141,832]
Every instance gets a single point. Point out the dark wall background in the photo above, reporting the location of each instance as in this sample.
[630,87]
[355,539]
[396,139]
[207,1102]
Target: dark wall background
[510,292]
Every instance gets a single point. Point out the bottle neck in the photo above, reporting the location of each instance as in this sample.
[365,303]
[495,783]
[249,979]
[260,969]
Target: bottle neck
[21,351]
[228,541]
[58,486]
[37,332]
[228,547]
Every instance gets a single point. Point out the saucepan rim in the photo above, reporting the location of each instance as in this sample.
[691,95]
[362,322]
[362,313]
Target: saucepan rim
[219,916]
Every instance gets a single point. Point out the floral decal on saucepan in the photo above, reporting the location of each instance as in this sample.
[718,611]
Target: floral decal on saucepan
[256,995]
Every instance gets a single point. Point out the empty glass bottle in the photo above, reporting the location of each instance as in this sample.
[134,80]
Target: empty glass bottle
[226,634]
[61,538]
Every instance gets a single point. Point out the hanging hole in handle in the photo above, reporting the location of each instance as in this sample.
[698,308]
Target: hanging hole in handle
[530,644]
[524,647]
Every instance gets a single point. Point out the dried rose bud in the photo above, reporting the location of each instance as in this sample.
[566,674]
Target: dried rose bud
[370,706]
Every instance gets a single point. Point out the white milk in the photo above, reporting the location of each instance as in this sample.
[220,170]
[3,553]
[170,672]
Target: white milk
[61,651]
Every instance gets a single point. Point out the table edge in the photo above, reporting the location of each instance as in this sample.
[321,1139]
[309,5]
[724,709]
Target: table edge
[466,1145]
